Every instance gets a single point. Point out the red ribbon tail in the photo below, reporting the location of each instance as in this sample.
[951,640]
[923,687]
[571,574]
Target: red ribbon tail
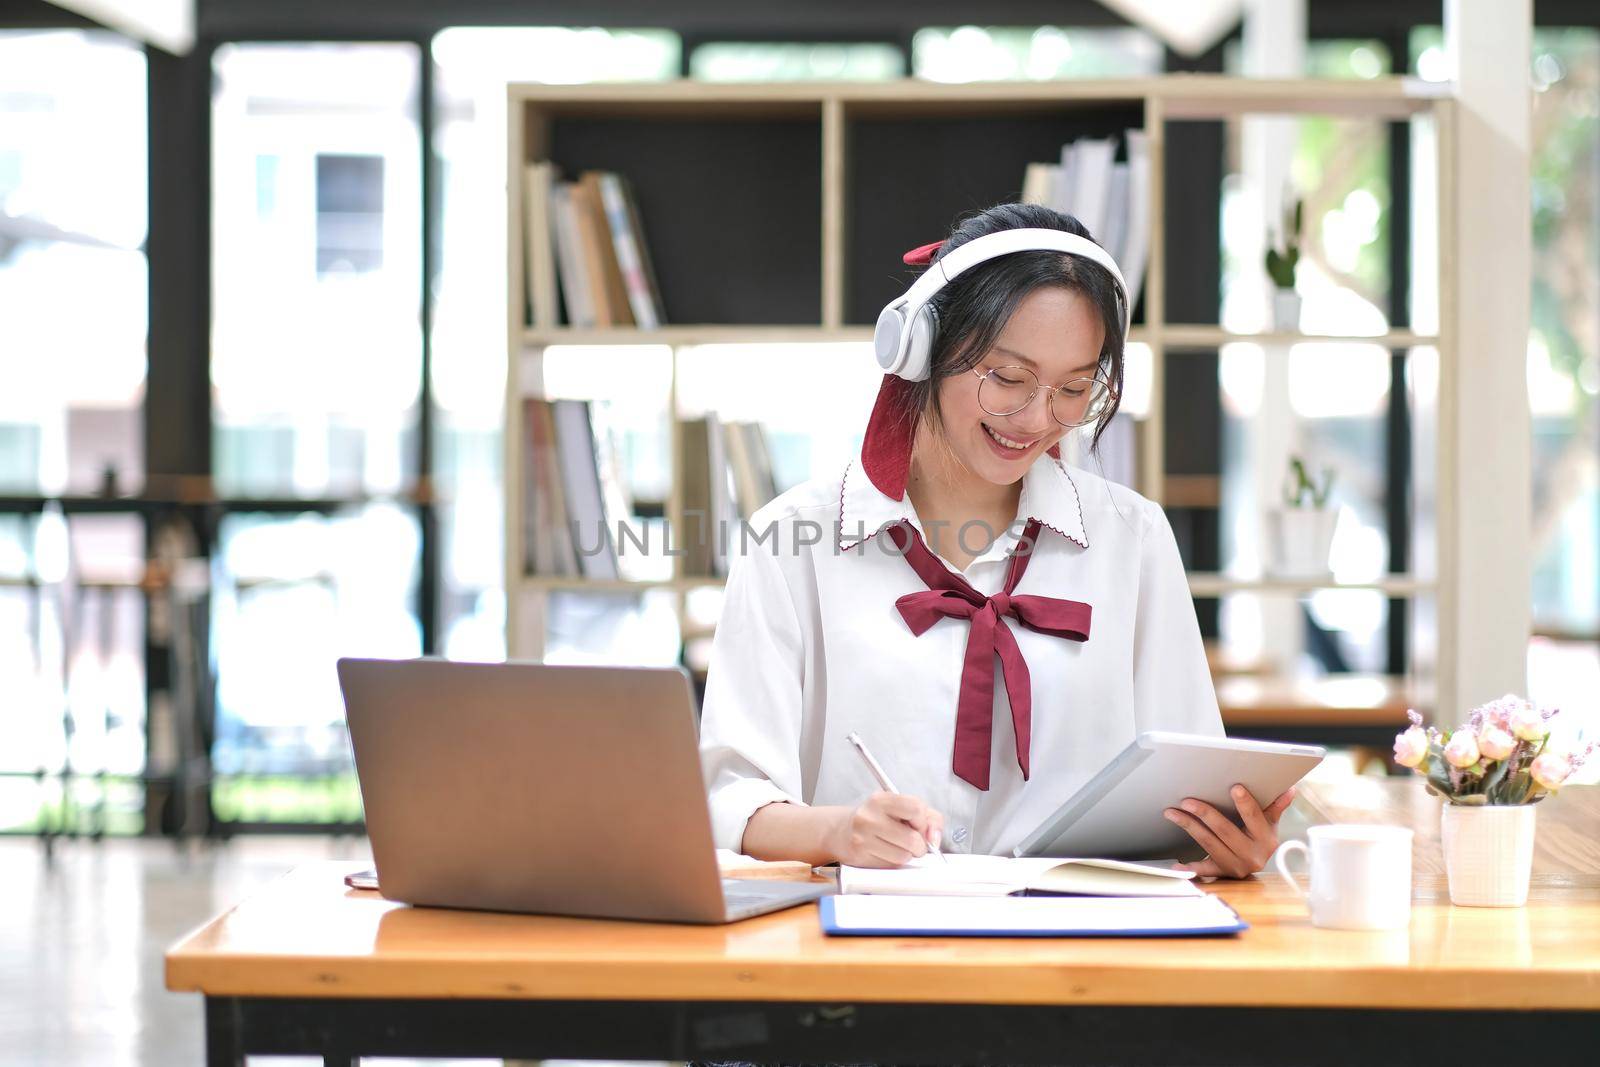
[975,709]
[1019,691]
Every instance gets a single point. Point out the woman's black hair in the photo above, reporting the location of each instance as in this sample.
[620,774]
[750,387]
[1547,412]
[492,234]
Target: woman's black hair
[973,309]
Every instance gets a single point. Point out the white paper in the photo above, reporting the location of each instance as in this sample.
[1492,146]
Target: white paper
[967,875]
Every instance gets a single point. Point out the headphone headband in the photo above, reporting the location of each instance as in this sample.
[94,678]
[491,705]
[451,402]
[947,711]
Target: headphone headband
[905,331]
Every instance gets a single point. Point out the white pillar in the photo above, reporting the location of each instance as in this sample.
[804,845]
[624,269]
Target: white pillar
[1274,42]
[1485,448]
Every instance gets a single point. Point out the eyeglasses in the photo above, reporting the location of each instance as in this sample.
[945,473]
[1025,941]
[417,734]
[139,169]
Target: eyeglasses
[1007,390]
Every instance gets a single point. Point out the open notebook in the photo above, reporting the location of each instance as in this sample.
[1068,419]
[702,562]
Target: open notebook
[998,876]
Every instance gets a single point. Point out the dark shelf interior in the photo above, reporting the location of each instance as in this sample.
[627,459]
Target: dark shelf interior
[912,177]
[731,208]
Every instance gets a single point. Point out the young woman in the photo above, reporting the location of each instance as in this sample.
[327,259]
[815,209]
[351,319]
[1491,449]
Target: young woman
[994,624]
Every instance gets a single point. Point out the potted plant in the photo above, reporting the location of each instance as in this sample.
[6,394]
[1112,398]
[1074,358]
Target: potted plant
[1491,772]
[1300,532]
[1282,258]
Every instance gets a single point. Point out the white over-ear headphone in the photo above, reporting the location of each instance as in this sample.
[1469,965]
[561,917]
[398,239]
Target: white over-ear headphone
[906,328]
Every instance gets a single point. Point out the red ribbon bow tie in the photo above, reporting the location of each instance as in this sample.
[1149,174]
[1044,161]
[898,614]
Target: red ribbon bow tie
[950,596]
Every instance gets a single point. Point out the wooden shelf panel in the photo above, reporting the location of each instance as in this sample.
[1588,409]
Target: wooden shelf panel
[719,333]
[572,583]
[1188,337]
[1183,96]
[712,333]
[1204,584]
[1200,585]
[1331,700]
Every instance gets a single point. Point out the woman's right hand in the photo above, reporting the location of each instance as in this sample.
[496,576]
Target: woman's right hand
[887,830]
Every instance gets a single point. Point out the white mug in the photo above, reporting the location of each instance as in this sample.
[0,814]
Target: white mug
[1360,875]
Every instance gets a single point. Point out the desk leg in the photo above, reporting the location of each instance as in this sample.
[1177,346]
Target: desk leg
[224,1035]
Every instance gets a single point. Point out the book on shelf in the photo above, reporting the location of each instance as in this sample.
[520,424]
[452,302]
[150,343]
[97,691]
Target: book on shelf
[1110,197]
[726,477]
[547,538]
[540,269]
[575,295]
[626,243]
[586,252]
[574,494]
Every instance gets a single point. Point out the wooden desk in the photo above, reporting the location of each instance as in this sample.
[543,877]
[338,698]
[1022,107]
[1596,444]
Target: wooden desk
[1366,710]
[312,967]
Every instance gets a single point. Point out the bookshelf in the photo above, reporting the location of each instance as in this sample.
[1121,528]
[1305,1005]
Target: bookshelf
[779,213]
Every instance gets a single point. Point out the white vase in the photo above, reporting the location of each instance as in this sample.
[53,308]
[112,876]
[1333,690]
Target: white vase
[1285,311]
[1299,541]
[1488,853]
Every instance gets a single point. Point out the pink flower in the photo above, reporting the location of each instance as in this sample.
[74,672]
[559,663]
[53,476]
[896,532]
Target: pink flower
[1462,751]
[1411,747]
[1528,724]
[1551,769]
[1495,743]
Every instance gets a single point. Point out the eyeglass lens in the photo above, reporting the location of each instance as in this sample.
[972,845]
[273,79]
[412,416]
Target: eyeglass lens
[1007,390]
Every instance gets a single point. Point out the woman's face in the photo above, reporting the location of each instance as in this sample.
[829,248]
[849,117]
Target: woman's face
[1057,334]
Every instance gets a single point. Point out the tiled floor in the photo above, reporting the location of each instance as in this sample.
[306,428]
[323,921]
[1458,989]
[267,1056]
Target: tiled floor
[81,940]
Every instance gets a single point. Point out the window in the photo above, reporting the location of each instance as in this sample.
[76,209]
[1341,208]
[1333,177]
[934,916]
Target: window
[316,268]
[474,65]
[349,214]
[73,294]
[1327,402]
[755,61]
[1029,53]
[73,288]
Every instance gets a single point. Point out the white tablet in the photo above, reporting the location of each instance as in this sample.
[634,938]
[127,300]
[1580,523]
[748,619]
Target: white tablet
[1117,813]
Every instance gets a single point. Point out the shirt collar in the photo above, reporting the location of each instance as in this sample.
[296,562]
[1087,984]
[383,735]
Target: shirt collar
[1048,494]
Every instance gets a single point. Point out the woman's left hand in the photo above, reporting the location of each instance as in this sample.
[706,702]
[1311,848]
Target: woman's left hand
[1232,851]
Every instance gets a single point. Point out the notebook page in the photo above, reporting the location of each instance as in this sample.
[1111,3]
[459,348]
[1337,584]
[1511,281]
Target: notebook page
[960,874]
[957,874]
[1002,915]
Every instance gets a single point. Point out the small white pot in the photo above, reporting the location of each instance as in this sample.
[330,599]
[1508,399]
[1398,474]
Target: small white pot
[1299,541]
[1488,853]
[1285,311]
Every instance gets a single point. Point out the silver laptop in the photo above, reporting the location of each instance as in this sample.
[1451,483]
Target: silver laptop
[534,788]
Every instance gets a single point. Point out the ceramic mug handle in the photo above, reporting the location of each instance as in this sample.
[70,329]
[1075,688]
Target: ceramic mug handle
[1280,860]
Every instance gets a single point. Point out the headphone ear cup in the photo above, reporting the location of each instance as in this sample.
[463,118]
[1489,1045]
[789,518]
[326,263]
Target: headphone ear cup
[888,340]
[923,328]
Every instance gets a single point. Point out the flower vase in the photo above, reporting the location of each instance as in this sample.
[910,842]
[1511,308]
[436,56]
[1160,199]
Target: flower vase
[1299,542]
[1488,853]
[1285,311]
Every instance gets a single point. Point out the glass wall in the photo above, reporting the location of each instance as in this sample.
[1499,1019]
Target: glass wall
[316,267]
[73,299]
[474,65]
[316,370]
[73,290]
[1324,402]
[1032,53]
[1563,362]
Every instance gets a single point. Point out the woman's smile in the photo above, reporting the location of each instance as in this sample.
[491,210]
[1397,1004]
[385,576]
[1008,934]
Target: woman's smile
[1008,447]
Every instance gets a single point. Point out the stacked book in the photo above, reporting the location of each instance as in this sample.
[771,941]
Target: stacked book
[726,477]
[573,500]
[577,517]
[1110,196]
[586,252]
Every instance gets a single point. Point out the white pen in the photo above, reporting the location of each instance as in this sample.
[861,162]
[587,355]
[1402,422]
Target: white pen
[883,780]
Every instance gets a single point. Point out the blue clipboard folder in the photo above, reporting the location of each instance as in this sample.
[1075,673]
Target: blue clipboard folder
[876,915]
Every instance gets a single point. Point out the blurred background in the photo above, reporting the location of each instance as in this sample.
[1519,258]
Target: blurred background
[254,364]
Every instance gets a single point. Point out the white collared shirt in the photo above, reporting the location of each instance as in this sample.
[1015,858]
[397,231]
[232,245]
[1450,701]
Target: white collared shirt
[811,648]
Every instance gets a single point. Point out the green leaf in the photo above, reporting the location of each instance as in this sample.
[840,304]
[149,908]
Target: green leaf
[1496,775]
[1472,800]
